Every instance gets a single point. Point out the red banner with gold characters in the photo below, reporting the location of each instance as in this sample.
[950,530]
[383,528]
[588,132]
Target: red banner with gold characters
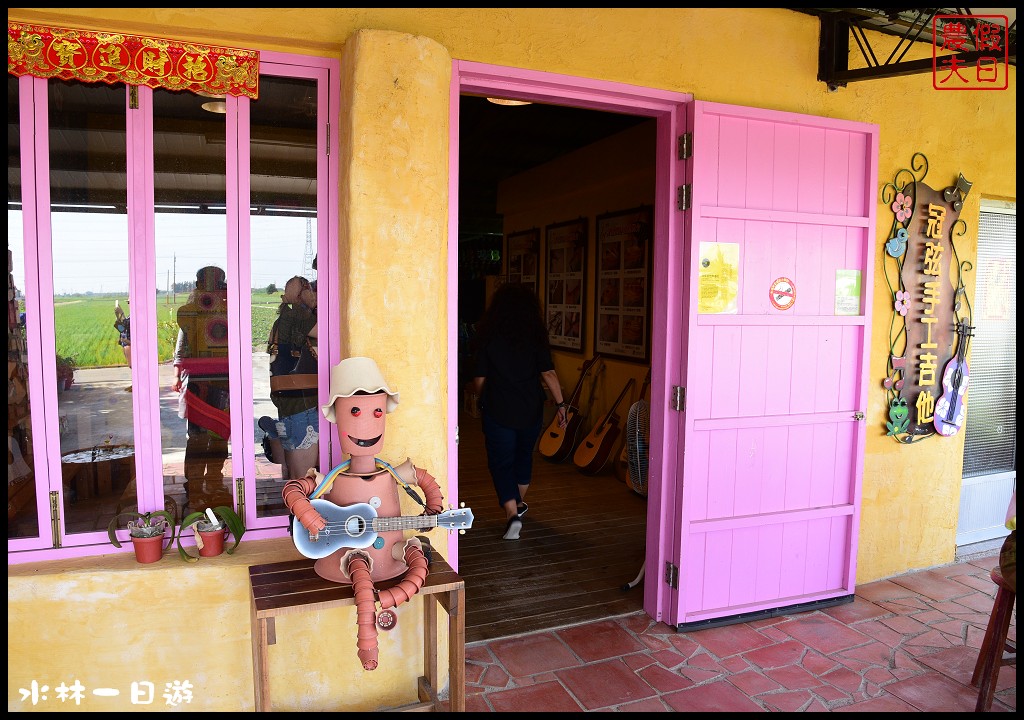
[88,56]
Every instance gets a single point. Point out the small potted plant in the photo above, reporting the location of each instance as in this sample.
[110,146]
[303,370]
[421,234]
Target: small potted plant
[147,531]
[65,372]
[211,529]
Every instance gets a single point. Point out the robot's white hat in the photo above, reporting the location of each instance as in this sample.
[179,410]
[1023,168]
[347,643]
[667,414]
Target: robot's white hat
[357,374]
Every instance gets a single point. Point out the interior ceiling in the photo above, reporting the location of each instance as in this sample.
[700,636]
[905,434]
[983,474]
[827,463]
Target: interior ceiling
[499,141]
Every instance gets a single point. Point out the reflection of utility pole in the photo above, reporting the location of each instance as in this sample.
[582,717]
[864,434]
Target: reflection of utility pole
[167,295]
[174,284]
[307,260]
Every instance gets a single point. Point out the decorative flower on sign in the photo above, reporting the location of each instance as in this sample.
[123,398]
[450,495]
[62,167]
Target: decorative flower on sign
[902,302]
[897,244]
[903,207]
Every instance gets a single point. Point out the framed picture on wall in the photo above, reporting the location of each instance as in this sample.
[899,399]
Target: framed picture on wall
[622,325]
[523,255]
[565,272]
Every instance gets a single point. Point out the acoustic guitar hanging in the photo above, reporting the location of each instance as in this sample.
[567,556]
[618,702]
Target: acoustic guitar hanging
[951,408]
[596,448]
[557,443]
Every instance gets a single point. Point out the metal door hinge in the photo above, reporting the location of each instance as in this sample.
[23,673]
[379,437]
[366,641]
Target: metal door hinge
[683,197]
[685,146]
[672,576]
[240,494]
[456,434]
[55,517]
[858,415]
[133,97]
[679,398]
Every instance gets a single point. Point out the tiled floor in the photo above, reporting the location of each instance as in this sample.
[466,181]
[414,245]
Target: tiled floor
[906,644]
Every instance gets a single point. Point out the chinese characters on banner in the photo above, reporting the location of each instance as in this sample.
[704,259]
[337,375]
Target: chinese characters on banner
[176,692]
[985,37]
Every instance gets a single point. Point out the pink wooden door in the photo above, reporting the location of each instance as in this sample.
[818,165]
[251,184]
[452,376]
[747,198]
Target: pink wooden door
[771,443]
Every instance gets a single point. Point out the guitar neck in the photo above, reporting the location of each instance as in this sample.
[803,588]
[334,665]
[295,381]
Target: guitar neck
[587,367]
[407,522]
[619,400]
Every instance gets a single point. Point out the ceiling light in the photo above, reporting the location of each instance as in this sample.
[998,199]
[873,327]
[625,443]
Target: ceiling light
[215,106]
[506,101]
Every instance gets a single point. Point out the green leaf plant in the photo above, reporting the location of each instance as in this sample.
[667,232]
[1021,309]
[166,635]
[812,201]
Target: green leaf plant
[224,515]
[148,524]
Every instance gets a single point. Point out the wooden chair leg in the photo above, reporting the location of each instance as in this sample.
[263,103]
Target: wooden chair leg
[990,657]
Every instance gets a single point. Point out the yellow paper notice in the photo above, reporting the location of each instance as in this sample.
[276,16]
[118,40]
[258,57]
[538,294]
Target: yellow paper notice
[718,281]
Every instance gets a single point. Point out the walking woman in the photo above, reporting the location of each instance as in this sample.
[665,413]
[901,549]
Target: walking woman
[512,359]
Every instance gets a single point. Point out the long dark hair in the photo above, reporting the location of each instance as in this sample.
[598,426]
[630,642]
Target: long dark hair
[514,314]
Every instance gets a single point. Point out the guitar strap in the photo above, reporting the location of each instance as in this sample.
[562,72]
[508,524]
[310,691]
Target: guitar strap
[330,477]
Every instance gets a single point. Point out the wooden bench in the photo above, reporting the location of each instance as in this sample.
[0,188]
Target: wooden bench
[294,587]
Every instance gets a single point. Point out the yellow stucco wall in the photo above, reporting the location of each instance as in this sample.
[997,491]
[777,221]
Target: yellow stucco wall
[392,242]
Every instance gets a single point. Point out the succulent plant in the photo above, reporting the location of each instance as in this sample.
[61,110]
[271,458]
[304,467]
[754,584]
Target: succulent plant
[147,524]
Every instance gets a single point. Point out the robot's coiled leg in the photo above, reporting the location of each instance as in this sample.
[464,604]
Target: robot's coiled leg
[366,635]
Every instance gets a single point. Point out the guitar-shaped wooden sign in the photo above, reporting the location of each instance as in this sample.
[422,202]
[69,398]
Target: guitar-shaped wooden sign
[557,443]
[622,464]
[951,408]
[596,448]
[357,526]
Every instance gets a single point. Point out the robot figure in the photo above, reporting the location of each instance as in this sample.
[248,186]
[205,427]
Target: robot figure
[359,402]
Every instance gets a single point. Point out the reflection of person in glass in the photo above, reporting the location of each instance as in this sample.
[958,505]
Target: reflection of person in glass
[123,325]
[201,378]
[294,438]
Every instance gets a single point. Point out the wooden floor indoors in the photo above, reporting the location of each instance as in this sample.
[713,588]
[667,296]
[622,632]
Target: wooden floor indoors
[583,539]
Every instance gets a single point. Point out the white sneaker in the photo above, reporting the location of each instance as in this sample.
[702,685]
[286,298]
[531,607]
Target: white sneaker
[512,528]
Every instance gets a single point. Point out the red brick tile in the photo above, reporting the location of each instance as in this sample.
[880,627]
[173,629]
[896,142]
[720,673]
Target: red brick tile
[904,606]
[714,697]
[667,658]
[479,653]
[822,633]
[882,590]
[929,639]
[931,617]
[697,675]
[786,653]
[494,677]
[844,679]
[476,703]
[599,640]
[753,683]
[859,609]
[817,664]
[663,680]
[684,645]
[984,584]
[730,639]
[878,675]
[792,677]
[704,662]
[872,654]
[735,664]
[474,672]
[931,585]
[774,634]
[649,705]
[956,663]
[532,654]
[655,642]
[551,697]
[816,706]
[641,622]
[978,602]
[830,694]
[883,704]
[881,633]
[604,684]
[933,692]
[904,624]
[788,701]
[949,627]
[638,661]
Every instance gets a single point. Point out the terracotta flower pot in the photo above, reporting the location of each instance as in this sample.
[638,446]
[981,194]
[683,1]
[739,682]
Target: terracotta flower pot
[213,542]
[149,550]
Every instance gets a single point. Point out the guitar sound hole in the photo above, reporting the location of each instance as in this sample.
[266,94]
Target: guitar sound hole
[355,526]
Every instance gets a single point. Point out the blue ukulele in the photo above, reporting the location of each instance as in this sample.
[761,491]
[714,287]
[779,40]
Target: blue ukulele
[357,526]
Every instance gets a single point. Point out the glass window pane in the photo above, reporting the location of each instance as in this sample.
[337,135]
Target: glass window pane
[190,153]
[89,226]
[283,241]
[22,518]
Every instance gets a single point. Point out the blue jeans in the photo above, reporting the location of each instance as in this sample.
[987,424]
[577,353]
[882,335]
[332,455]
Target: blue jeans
[509,456]
[299,431]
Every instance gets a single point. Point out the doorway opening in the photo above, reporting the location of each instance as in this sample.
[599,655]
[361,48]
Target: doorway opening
[586,536]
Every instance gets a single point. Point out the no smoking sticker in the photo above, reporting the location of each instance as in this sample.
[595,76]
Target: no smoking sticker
[782,293]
